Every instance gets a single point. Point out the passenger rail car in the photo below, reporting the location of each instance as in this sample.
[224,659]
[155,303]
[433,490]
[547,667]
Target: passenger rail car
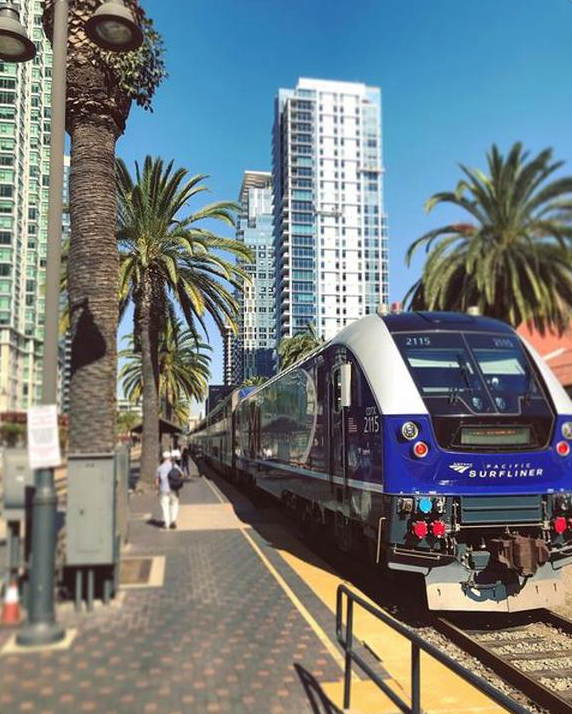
[437,443]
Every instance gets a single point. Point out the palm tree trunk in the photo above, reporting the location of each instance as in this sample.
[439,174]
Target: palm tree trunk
[168,405]
[92,281]
[148,331]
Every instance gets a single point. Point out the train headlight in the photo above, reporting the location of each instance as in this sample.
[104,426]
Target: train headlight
[409,431]
[567,430]
[563,448]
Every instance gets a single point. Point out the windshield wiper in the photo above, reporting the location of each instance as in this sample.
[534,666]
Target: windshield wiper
[453,394]
[465,373]
[454,391]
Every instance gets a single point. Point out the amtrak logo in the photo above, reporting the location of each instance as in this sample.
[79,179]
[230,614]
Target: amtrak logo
[497,470]
[460,467]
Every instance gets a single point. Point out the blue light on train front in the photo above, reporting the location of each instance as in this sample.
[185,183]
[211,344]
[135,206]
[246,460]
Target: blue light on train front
[425,505]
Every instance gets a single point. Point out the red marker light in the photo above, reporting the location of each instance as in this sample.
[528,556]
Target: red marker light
[420,529]
[563,448]
[438,528]
[420,449]
[559,525]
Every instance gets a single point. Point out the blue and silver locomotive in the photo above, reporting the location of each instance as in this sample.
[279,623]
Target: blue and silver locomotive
[435,443]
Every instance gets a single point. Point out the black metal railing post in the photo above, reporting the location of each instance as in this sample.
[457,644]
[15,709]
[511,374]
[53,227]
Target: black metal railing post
[349,642]
[418,644]
[415,679]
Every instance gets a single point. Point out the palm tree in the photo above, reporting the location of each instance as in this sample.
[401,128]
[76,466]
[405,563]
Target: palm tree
[512,258]
[125,422]
[183,368]
[169,262]
[181,412]
[100,88]
[292,349]
[255,381]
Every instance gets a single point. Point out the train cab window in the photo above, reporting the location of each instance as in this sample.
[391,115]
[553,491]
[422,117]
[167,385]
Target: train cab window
[473,373]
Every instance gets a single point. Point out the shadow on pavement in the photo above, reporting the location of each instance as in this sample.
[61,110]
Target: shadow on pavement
[402,595]
[319,702]
[156,522]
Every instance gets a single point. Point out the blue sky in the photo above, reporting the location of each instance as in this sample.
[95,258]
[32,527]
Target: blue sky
[456,76]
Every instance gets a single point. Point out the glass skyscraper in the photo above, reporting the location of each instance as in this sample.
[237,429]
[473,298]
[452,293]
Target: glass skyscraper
[255,343]
[24,173]
[330,229]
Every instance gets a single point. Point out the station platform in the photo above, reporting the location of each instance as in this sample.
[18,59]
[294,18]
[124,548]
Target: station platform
[231,612]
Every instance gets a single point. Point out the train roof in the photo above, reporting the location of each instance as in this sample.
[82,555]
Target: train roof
[421,321]
[370,339]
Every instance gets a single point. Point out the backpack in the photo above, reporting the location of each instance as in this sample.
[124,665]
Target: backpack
[175,478]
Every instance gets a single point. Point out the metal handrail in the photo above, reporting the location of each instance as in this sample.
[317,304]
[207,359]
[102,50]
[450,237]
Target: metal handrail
[346,640]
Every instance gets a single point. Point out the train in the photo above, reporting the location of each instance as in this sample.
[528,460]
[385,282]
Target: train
[432,443]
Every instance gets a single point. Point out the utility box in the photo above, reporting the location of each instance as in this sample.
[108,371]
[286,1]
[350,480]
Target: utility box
[122,468]
[91,510]
[19,483]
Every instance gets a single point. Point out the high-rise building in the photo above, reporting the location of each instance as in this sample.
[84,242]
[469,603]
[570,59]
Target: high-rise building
[24,174]
[254,345]
[330,229]
[227,355]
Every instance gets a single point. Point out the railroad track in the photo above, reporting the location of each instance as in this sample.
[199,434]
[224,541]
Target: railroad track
[535,657]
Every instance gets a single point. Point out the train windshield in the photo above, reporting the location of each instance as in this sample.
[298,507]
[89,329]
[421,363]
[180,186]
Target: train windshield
[470,372]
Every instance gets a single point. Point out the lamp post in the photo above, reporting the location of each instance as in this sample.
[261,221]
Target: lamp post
[113,28]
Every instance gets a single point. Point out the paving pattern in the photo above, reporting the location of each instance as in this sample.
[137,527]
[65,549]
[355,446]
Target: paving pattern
[220,636]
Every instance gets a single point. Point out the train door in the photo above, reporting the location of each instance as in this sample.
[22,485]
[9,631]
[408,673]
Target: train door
[337,428]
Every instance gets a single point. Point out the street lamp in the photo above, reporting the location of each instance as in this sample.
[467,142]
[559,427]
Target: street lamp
[111,27]
[15,45]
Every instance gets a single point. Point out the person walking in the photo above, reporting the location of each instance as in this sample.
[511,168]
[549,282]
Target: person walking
[185,463]
[168,475]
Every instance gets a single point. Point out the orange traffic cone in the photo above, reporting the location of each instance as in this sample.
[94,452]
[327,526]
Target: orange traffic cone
[11,605]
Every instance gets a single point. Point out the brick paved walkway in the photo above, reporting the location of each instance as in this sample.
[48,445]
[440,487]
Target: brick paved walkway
[221,634]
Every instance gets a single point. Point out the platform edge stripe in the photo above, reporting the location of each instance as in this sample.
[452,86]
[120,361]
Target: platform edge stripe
[215,489]
[318,631]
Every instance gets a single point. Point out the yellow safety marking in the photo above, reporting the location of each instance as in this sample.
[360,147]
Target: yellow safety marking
[443,692]
[318,631]
[216,491]
[366,697]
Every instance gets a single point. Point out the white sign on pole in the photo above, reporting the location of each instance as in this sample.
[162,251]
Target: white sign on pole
[43,437]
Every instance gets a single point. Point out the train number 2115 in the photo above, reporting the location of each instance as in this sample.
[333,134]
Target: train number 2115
[371,424]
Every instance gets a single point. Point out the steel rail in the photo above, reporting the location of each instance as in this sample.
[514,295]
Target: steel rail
[523,681]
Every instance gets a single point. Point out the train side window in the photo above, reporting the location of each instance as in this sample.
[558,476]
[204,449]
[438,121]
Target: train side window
[318,451]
